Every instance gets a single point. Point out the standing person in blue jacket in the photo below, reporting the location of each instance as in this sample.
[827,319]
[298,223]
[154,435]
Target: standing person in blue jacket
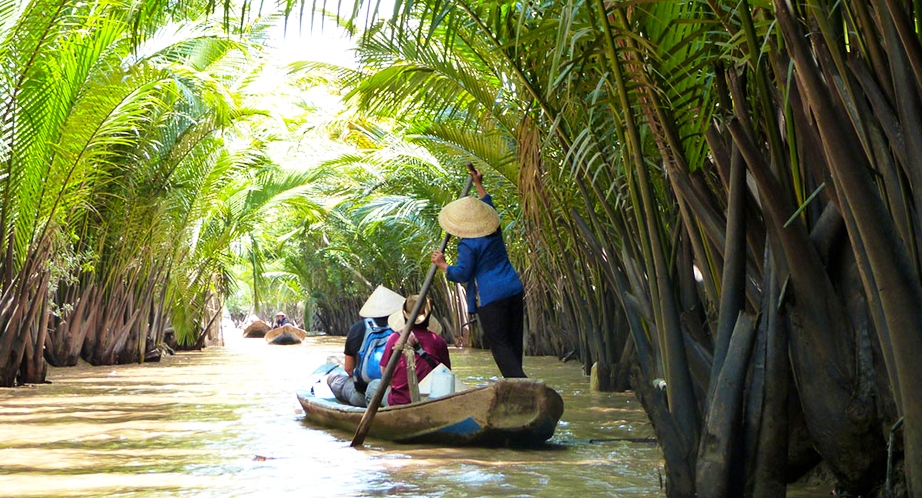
[484,266]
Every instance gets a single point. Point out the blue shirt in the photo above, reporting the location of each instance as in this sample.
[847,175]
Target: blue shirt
[484,265]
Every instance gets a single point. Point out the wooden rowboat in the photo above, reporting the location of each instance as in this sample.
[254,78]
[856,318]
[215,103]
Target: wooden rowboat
[509,412]
[285,335]
[256,329]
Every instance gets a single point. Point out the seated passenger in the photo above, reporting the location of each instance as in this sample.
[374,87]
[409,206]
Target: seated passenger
[430,349]
[280,320]
[364,347]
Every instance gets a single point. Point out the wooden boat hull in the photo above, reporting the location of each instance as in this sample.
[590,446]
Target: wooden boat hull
[510,412]
[256,330]
[284,340]
[285,335]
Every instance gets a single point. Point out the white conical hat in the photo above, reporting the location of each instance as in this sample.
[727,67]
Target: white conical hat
[468,217]
[381,302]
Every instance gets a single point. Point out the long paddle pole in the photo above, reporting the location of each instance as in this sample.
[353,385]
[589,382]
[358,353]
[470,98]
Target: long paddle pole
[365,425]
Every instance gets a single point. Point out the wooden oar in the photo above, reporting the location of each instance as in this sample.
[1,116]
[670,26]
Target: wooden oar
[365,425]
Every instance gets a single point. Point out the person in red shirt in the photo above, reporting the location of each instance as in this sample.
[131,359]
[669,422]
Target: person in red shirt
[430,349]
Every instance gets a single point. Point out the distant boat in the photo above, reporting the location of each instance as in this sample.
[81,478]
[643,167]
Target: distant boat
[509,412]
[285,335]
[257,329]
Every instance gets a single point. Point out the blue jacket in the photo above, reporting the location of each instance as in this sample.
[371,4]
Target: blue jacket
[484,265]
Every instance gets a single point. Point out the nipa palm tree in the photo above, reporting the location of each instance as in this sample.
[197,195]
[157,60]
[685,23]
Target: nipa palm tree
[704,164]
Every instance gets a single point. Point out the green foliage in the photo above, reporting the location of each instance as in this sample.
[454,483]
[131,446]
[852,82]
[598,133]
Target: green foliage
[127,141]
[618,124]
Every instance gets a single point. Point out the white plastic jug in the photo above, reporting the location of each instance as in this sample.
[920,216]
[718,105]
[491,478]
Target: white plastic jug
[443,383]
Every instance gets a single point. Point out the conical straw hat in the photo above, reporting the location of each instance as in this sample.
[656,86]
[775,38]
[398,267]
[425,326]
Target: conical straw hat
[468,217]
[397,321]
[424,310]
[381,302]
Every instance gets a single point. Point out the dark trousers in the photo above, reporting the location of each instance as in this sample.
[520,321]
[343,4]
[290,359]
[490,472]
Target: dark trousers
[503,322]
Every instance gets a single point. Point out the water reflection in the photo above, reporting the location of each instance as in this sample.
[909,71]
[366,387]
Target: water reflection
[226,422]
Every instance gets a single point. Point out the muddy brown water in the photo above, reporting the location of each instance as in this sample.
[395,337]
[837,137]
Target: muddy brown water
[226,422]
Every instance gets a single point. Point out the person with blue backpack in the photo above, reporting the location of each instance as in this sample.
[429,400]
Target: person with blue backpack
[364,348]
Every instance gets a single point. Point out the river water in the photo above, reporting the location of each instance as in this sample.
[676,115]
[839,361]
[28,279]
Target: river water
[226,422]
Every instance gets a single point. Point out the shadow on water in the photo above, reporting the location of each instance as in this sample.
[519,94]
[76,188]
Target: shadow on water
[226,422]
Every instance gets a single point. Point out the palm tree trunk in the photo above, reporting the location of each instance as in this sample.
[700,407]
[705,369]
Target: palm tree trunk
[720,463]
[896,284]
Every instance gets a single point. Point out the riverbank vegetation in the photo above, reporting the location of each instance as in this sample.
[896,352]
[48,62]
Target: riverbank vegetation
[712,201]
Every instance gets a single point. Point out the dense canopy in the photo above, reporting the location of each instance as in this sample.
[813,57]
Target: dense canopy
[711,201]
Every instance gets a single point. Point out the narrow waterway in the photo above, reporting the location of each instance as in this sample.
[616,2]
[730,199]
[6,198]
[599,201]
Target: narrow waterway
[226,422]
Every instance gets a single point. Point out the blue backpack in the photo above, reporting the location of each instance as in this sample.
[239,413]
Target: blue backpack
[368,366]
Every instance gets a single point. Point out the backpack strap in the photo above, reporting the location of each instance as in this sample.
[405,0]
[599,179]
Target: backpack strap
[424,355]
